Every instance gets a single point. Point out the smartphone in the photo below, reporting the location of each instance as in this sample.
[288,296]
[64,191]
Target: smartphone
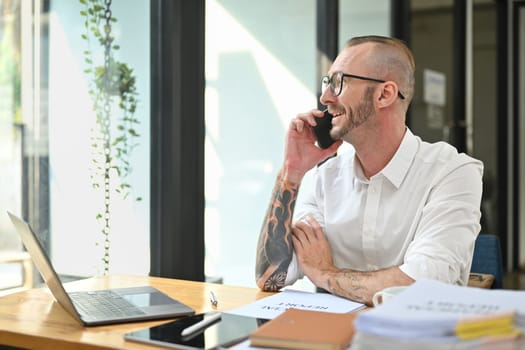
[322,130]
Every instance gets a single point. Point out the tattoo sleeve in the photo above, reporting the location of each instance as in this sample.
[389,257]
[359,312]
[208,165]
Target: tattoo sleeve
[350,284]
[275,248]
[360,286]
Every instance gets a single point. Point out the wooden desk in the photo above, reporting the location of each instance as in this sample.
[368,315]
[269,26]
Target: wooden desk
[33,319]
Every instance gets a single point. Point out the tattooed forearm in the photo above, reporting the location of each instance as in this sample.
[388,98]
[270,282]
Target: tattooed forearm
[277,278]
[361,286]
[274,249]
[349,284]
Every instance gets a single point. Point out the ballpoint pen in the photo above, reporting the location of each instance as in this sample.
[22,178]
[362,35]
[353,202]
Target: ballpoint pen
[213,299]
[201,325]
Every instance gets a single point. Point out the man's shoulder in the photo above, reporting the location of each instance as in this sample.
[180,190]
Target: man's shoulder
[442,151]
[444,156]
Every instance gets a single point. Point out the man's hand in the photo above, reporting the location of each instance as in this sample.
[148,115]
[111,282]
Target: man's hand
[312,249]
[301,154]
[314,255]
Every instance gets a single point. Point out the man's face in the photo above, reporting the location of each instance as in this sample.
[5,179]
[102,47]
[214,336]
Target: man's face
[354,115]
[354,106]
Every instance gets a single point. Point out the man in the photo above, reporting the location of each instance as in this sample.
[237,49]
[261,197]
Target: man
[393,210]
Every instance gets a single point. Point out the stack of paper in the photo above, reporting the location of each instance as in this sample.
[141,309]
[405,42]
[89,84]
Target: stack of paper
[364,341]
[493,325]
[430,309]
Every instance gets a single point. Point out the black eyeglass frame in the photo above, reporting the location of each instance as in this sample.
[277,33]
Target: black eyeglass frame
[343,75]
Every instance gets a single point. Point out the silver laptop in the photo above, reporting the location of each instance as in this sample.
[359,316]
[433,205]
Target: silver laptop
[100,307]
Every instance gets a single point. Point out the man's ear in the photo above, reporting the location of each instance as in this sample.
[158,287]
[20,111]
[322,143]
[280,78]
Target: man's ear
[388,94]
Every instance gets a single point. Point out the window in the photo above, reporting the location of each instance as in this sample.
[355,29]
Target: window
[49,149]
[260,72]
[76,238]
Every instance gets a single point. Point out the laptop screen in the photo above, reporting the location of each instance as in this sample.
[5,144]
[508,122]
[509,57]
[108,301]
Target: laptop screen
[43,264]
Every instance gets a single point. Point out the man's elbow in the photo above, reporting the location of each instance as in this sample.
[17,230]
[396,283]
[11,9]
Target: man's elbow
[261,279]
[266,286]
[271,282]
[261,284]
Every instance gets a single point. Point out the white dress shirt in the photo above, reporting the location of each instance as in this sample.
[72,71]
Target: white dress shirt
[421,212]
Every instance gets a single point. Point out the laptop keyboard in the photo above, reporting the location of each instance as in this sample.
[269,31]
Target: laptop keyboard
[104,304]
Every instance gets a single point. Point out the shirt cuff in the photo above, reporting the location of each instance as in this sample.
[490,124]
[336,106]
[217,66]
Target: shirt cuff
[435,270]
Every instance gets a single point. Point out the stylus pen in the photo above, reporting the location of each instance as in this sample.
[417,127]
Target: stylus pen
[201,325]
[213,299]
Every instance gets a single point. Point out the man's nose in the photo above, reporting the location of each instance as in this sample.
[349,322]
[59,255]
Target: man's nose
[327,97]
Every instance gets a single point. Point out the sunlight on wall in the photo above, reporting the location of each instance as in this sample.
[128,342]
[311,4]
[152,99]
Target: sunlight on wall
[238,182]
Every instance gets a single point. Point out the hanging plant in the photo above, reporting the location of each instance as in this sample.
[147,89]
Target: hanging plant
[112,87]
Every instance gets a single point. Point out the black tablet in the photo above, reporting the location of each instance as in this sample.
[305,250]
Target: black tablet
[226,331]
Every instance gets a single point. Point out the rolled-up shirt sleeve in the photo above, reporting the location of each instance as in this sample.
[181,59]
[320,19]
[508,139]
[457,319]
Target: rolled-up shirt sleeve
[443,243]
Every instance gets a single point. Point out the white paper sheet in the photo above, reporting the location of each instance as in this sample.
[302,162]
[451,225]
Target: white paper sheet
[270,307]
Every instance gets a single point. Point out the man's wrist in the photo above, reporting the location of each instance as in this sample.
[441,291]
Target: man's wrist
[292,177]
[325,278]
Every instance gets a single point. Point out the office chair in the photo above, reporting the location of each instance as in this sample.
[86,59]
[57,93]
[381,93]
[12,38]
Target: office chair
[487,259]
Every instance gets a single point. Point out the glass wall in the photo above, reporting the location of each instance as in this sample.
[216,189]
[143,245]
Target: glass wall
[260,73]
[53,153]
[363,18]
[10,138]
[76,155]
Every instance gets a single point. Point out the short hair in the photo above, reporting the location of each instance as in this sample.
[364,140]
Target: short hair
[392,59]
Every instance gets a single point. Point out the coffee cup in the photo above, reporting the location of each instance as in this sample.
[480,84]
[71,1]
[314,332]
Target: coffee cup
[386,294]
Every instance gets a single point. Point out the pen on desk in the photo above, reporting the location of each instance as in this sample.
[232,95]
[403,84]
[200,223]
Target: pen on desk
[201,325]
[213,299]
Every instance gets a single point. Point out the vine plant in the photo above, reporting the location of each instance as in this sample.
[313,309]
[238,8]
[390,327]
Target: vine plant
[112,88]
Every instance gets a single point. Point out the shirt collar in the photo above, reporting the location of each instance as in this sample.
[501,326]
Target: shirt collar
[396,170]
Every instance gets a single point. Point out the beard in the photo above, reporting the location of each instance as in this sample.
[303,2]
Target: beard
[356,116]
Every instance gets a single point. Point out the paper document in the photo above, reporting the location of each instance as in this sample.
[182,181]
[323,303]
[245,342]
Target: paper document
[272,306]
[432,309]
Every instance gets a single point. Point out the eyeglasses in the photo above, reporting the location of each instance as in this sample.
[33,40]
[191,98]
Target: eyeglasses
[335,82]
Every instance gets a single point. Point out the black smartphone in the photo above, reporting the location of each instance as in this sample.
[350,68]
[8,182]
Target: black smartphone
[322,130]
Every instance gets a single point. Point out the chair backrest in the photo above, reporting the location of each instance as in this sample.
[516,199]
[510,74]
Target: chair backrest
[487,258]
